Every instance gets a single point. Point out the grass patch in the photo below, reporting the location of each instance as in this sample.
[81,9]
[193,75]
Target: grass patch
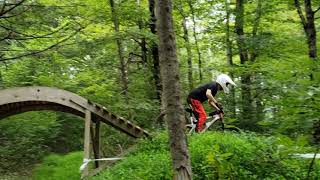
[60,167]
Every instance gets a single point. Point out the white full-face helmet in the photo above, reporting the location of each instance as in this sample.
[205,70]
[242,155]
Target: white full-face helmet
[224,80]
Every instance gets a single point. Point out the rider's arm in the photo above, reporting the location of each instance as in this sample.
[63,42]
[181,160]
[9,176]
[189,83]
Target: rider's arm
[211,100]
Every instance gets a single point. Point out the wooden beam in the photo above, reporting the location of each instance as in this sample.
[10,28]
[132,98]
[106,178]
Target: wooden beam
[95,137]
[86,155]
[97,141]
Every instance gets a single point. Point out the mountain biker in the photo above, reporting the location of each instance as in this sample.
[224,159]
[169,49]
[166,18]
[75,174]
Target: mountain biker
[207,92]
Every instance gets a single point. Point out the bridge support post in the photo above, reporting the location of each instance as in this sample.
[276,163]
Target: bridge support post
[95,137]
[87,128]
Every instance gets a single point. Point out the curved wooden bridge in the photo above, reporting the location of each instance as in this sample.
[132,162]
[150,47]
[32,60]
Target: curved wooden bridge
[22,99]
[34,98]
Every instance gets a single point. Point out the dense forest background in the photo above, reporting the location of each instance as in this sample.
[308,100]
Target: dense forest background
[107,51]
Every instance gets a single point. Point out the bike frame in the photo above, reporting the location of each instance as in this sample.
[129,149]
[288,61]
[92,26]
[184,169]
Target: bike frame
[209,121]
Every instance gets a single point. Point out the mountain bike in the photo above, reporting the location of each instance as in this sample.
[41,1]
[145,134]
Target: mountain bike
[213,118]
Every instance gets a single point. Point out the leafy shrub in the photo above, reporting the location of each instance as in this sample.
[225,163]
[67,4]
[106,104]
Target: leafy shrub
[245,156]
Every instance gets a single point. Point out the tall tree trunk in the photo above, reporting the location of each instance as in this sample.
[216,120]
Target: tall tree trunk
[246,77]
[308,24]
[171,97]
[228,41]
[246,98]
[311,30]
[187,42]
[154,50]
[258,100]
[189,53]
[123,69]
[229,56]
[1,79]
[196,39]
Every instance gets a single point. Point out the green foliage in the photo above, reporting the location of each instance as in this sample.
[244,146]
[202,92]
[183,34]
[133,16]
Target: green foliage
[293,107]
[59,167]
[25,138]
[70,134]
[218,156]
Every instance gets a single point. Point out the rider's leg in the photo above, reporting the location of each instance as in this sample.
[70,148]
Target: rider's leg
[198,108]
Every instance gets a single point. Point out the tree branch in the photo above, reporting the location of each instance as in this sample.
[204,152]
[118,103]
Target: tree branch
[43,50]
[14,15]
[12,8]
[316,10]
[312,162]
[9,50]
[180,9]
[160,117]
[6,37]
[12,30]
[3,6]
[134,54]
[29,36]
[298,7]
[54,6]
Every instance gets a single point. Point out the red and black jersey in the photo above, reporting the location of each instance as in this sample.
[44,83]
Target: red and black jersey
[199,93]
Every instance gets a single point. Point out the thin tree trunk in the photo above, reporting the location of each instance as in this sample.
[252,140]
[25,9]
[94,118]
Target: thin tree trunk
[229,56]
[142,44]
[233,99]
[1,79]
[123,70]
[256,24]
[196,39]
[171,97]
[144,50]
[188,47]
[307,22]
[247,109]
[154,50]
